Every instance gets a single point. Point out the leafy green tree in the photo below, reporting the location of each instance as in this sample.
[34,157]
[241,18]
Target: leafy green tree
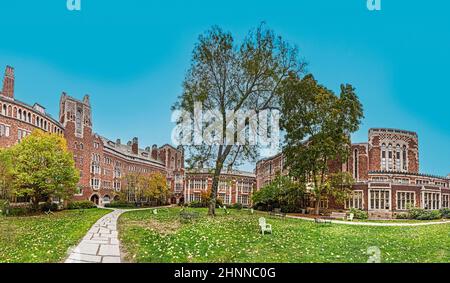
[225,76]
[282,190]
[318,125]
[145,186]
[5,174]
[43,168]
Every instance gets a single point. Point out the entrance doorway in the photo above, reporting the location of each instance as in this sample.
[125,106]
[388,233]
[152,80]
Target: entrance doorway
[95,199]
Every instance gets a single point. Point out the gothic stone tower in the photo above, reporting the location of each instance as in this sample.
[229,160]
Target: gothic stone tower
[75,116]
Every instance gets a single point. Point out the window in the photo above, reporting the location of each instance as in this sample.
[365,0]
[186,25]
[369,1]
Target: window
[379,199]
[390,156]
[401,180]
[422,182]
[4,130]
[117,186]
[243,199]
[96,145]
[223,186]
[355,200]
[95,183]
[405,163]
[383,157]
[21,134]
[431,200]
[397,158]
[445,201]
[355,164]
[406,200]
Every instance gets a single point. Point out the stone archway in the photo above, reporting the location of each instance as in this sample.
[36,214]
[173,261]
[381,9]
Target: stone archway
[95,199]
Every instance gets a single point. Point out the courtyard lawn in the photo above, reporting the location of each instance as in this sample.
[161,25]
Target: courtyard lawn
[42,239]
[235,238]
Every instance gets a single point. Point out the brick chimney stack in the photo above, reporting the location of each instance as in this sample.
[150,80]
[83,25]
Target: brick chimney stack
[8,82]
[155,152]
[135,146]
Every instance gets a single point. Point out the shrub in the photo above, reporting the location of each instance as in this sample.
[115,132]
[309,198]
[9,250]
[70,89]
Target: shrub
[4,205]
[445,213]
[84,204]
[237,206]
[402,216]
[359,214]
[120,204]
[21,209]
[48,206]
[422,214]
[197,204]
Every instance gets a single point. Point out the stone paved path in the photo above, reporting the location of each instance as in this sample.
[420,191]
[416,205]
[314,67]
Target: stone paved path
[101,243]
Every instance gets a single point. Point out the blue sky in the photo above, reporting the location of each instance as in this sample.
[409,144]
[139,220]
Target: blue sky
[131,57]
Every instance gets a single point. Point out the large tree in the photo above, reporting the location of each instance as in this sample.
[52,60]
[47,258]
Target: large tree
[318,125]
[43,168]
[5,174]
[237,78]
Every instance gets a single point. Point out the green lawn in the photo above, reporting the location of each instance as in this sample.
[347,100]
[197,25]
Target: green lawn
[44,238]
[236,238]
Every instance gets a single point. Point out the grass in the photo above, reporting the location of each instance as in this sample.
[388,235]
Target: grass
[236,238]
[44,239]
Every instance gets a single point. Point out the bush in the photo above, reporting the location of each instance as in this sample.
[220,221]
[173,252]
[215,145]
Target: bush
[4,205]
[197,204]
[402,216]
[48,206]
[120,204]
[445,213]
[84,204]
[21,209]
[237,206]
[422,214]
[359,214]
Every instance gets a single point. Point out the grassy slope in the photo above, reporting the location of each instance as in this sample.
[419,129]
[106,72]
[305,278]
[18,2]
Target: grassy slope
[44,238]
[235,238]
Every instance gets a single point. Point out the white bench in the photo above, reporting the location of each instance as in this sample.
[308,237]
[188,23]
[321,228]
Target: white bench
[264,226]
[350,217]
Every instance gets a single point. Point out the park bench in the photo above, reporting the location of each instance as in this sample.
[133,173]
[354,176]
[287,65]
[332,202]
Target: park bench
[264,226]
[277,212]
[188,216]
[323,220]
[338,215]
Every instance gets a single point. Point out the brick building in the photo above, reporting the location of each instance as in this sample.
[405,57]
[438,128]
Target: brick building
[102,162]
[387,174]
[234,187]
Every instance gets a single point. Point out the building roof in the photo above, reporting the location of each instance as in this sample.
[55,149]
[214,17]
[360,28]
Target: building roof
[224,172]
[125,149]
[408,174]
[33,109]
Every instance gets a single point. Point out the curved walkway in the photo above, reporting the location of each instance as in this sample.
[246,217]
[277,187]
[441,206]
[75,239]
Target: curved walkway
[374,223]
[101,243]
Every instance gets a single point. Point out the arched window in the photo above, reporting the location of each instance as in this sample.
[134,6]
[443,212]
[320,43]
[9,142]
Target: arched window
[383,157]
[397,158]
[390,156]
[405,162]
[19,114]
[4,110]
[355,164]
[29,117]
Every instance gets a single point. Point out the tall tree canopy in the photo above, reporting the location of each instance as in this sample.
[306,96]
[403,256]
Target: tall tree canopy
[318,124]
[42,168]
[230,77]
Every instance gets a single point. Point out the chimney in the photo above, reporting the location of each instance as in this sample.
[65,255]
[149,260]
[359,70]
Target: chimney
[155,152]
[135,146]
[8,82]
[86,100]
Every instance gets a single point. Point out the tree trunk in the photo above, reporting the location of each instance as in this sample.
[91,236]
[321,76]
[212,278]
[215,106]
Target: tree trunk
[214,188]
[318,207]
